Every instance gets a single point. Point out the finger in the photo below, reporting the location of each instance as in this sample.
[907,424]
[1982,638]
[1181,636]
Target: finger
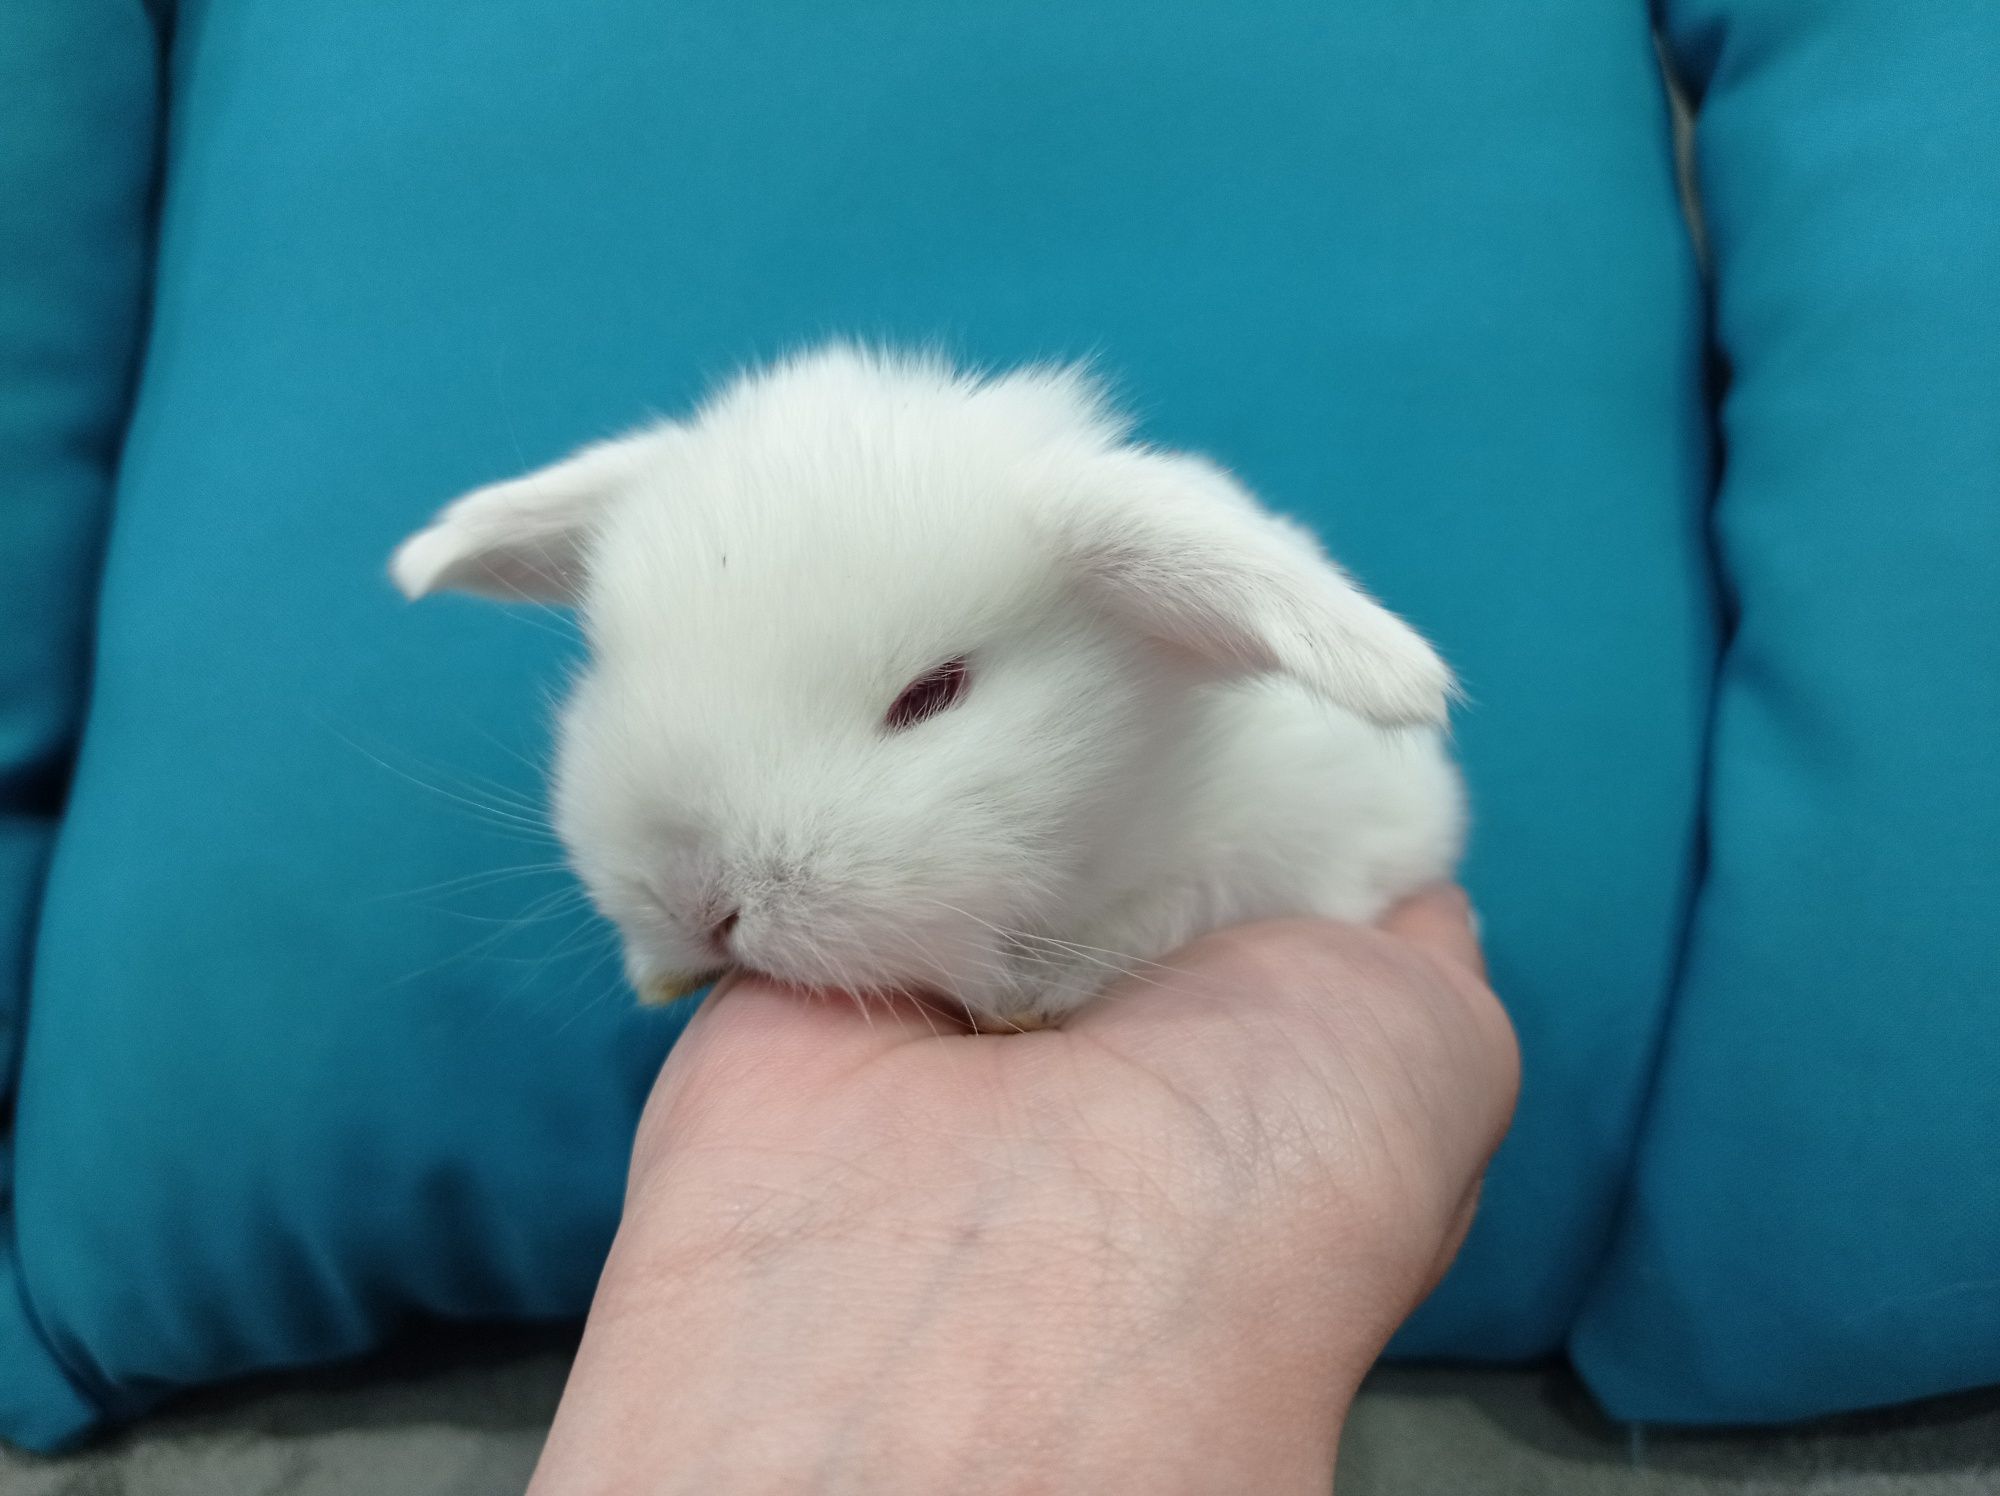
[1441,920]
[755,1045]
[818,1027]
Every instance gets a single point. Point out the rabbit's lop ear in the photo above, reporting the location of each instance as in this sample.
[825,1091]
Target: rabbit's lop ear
[524,539]
[1177,546]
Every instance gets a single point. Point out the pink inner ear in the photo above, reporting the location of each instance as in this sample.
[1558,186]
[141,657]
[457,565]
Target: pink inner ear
[930,693]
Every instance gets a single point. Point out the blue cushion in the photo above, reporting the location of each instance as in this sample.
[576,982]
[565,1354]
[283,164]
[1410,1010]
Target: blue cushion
[77,111]
[1815,1221]
[1421,277]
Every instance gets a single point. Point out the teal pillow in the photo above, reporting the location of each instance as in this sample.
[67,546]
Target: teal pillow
[307,1056]
[1815,1219]
[77,112]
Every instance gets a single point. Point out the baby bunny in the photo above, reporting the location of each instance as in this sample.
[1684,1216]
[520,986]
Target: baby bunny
[903,678]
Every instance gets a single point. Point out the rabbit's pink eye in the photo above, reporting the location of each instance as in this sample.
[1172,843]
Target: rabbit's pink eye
[927,695]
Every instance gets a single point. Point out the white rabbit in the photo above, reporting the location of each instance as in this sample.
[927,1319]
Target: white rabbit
[903,678]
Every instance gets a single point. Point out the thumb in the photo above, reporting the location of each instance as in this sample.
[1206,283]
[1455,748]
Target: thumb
[1440,919]
[813,1031]
[753,1041]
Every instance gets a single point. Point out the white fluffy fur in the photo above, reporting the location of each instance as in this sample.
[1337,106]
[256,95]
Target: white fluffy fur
[1181,714]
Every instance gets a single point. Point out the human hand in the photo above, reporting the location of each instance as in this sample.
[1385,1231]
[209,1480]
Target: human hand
[1154,1250]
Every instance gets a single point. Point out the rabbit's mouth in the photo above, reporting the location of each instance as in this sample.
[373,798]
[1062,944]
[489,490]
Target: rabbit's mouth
[670,989]
[660,991]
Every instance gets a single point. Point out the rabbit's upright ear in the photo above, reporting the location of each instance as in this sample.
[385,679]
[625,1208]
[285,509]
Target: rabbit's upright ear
[524,539]
[1178,548]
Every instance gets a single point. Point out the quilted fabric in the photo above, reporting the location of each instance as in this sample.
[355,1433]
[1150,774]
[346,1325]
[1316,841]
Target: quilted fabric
[78,97]
[300,1063]
[1815,1215]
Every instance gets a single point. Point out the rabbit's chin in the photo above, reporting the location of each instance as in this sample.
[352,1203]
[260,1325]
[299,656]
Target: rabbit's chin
[1011,1001]
[658,991]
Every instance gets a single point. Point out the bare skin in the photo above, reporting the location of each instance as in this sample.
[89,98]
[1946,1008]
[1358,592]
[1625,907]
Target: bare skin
[1152,1251]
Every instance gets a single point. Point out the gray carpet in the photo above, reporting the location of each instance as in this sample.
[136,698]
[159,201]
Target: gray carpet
[462,1414]
[1430,1431]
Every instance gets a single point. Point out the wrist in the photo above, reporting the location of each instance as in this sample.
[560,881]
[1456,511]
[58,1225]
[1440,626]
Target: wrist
[944,1344]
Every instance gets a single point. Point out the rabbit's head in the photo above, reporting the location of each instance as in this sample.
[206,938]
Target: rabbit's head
[888,662]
